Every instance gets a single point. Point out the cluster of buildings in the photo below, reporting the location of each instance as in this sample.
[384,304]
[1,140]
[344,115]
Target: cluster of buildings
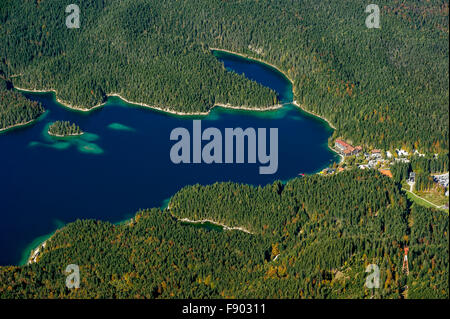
[442,180]
[346,149]
[329,170]
[374,160]
[402,156]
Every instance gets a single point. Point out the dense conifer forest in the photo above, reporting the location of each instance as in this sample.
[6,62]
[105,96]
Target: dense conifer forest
[384,87]
[64,128]
[423,167]
[15,109]
[310,238]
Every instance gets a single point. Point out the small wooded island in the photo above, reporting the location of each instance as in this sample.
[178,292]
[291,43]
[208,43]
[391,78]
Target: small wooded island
[64,128]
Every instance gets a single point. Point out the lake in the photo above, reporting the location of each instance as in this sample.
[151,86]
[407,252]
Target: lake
[123,162]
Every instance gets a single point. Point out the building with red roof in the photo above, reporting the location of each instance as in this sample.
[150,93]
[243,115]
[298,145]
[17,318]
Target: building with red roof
[346,149]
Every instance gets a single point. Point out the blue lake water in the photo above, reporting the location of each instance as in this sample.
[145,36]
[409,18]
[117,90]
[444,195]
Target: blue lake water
[122,164]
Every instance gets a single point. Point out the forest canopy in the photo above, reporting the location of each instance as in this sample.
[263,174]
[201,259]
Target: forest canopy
[310,238]
[15,109]
[64,128]
[385,88]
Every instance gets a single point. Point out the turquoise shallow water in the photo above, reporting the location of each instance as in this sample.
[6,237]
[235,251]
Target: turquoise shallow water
[122,163]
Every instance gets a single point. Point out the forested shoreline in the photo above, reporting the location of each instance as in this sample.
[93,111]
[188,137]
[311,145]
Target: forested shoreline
[15,109]
[384,88]
[312,237]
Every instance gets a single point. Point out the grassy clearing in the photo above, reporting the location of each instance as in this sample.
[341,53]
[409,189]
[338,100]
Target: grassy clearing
[419,201]
[434,196]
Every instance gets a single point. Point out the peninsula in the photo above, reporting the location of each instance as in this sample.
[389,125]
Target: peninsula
[15,109]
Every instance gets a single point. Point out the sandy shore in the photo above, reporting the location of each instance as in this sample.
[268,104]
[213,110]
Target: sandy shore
[259,109]
[16,125]
[208,221]
[315,114]
[68,135]
[35,254]
[64,103]
[165,110]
